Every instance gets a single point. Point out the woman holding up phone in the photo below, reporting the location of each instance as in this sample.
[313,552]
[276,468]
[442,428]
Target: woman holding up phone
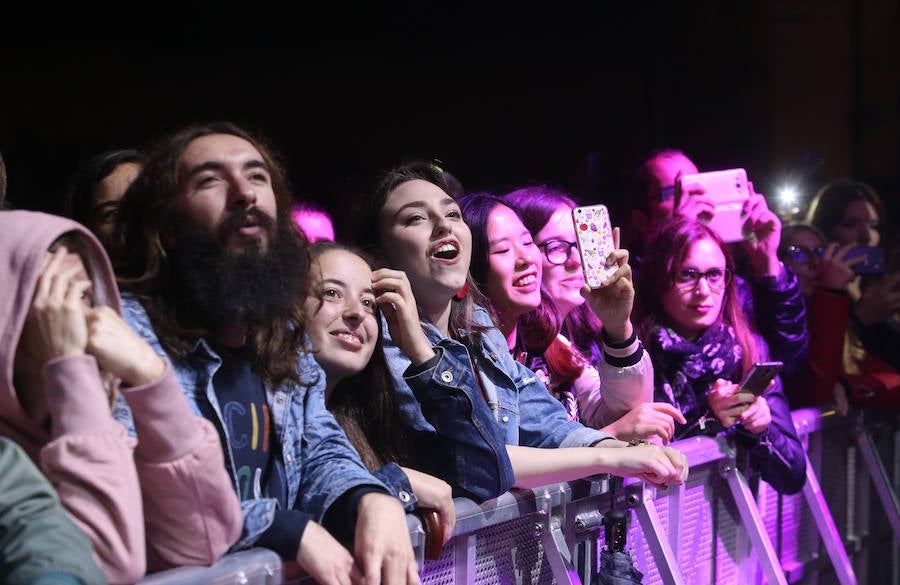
[852,213]
[838,369]
[616,395]
[701,346]
[419,229]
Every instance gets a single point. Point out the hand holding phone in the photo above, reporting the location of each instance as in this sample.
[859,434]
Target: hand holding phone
[760,376]
[729,190]
[866,259]
[593,232]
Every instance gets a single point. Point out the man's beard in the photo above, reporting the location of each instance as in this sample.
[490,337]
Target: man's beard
[250,285]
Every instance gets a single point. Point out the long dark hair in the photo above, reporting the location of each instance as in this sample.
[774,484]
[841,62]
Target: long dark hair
[363,403]
[827,207]
[145,224]
[79,198]
[538,328]
[368,237]
[476,207]
[668,246]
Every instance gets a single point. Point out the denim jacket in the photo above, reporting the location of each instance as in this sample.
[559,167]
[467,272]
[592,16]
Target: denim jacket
[507,405]
[319,461]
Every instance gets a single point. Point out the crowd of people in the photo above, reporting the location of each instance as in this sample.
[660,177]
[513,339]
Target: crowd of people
[195,366]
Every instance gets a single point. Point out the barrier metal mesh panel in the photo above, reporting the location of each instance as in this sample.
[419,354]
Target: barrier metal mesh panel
[511,553]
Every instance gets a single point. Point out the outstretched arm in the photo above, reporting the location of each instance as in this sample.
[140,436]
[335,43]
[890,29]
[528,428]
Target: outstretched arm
[658,466]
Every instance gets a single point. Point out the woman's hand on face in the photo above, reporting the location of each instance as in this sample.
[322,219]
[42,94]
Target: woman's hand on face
[55,325]
[394,295]
[614,300]
[727,402]
[436,494]
[119,350]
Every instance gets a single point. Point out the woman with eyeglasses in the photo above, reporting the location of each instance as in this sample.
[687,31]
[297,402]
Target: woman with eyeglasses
[838,369]
[701,346]
[852,213]
[588,351]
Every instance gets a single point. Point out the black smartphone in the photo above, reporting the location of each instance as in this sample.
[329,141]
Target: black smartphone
[759,377]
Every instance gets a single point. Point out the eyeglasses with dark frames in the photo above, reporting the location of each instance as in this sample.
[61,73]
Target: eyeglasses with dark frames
[802,254]
[557,251]
[687,279]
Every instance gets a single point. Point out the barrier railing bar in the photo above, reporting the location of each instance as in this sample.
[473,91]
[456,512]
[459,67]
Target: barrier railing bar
[753,523]
[827,529]
[879,477]
[652,528]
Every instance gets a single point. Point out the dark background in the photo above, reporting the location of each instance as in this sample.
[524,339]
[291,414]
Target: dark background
[502,95]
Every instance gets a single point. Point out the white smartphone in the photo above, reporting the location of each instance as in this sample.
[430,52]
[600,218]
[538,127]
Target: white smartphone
[759,377]
[593,232]
[729,190]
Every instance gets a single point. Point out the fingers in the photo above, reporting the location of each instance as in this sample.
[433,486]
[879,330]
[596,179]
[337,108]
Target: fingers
[666,467]
[618,256]
[670,410]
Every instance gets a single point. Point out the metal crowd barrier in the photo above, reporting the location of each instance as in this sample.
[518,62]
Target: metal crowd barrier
[720,527]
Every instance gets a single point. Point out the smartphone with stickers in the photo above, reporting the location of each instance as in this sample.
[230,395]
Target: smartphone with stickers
[729,190]
[759,377]
[593,233]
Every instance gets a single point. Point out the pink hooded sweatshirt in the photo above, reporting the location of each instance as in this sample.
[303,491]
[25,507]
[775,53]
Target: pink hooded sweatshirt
[157,502]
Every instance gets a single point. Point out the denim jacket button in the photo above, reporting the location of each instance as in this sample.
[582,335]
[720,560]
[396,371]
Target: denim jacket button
[280,400]
[505,419]
[404,496]
[447,376]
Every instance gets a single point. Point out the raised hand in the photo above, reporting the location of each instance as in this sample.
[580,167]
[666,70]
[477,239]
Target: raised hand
[395,297]
[614,300]
[834,271]
[765,227]
[55,325]
[693,203]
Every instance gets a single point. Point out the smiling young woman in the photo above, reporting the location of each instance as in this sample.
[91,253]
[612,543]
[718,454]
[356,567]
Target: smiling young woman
[702,345]
[421,231]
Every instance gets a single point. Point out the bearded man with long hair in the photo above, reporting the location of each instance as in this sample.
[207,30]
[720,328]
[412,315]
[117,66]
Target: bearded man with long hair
[215,276]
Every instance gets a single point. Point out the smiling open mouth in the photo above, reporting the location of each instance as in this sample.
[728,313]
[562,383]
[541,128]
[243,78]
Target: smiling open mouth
[525,280]
[446,252]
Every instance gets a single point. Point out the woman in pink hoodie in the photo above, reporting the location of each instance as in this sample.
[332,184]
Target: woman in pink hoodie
[160,501]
